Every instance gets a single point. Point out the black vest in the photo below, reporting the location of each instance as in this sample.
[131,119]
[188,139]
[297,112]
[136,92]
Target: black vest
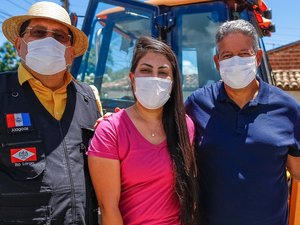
[43,171]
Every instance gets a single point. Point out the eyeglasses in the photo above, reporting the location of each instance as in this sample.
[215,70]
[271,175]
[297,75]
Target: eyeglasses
[42,32]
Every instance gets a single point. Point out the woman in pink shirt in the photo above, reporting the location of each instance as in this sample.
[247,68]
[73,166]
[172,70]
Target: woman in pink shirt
[141,159]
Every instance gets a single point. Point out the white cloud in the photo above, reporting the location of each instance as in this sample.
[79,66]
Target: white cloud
[188,68]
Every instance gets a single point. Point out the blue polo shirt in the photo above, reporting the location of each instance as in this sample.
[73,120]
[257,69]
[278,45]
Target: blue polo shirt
[242,154]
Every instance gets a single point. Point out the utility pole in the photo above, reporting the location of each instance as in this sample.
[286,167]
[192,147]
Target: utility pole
[65,4]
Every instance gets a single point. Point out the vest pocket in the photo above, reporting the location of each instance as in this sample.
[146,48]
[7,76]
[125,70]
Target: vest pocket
[22,160]
[25,208]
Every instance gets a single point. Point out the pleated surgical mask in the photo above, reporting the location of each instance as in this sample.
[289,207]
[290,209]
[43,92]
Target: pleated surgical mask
[46,56]
[238,72]
[152,92]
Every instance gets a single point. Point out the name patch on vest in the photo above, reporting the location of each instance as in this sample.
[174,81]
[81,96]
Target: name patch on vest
[18,122]
[23,155]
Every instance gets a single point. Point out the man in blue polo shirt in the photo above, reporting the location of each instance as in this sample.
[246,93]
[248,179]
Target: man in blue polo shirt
[248,132]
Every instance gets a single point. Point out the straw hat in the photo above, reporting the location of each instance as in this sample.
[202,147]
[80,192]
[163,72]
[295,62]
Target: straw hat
[46,10]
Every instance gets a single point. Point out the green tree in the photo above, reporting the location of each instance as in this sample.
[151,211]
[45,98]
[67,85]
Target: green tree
[8,58]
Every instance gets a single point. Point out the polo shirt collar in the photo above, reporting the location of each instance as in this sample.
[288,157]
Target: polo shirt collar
[24,75]
[222,93]
[261,98]
[263,93]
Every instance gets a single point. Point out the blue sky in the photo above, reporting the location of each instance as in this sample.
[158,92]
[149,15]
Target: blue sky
[285,17]
[287,21]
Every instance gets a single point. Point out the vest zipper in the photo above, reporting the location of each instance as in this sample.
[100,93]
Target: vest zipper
[70,175]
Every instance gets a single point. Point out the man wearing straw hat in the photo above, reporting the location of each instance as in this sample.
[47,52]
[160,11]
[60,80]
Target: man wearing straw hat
[43,176]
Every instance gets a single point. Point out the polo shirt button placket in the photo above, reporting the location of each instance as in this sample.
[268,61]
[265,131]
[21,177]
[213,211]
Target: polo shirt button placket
[241,126]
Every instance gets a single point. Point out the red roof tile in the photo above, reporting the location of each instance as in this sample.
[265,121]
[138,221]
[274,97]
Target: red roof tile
[287,79]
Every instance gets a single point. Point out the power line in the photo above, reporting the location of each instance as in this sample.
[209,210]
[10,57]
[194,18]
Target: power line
[286,35]
[3,17]
[277,44]
[30,3]
[280,40]
[34,1]
[20,7]
[5,13]
[288,28]
[273,44]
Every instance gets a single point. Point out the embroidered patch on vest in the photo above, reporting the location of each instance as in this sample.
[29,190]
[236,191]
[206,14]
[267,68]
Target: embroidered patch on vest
[18,122]
[23,155]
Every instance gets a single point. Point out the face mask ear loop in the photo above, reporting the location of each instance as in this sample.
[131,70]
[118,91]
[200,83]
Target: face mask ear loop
[134,87]
[18,53]
[22,59]
[68,66]
[256,63]
[24,41]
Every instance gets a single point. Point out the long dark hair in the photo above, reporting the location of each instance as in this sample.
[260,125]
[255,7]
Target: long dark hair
[174,123]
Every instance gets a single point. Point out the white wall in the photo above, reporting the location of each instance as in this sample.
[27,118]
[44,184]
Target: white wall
[295,94]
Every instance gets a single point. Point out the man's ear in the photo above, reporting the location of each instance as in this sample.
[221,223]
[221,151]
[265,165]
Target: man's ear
[70,55]
[216,60]
[18,45]
[259,55]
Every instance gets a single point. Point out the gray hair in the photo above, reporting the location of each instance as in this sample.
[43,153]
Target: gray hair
[237,26]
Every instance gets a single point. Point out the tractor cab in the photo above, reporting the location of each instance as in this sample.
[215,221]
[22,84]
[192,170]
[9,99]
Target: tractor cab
[188,26]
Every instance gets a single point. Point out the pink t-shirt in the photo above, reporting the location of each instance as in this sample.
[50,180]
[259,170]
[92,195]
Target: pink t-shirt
[147,180]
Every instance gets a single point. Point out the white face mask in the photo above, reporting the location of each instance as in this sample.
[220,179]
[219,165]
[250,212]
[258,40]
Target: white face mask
[46,56]
[237,72]
[152,92]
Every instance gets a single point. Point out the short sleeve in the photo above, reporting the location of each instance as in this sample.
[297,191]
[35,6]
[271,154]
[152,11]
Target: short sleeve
[188,104]
[191,128]
[104,143]
[295,148]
